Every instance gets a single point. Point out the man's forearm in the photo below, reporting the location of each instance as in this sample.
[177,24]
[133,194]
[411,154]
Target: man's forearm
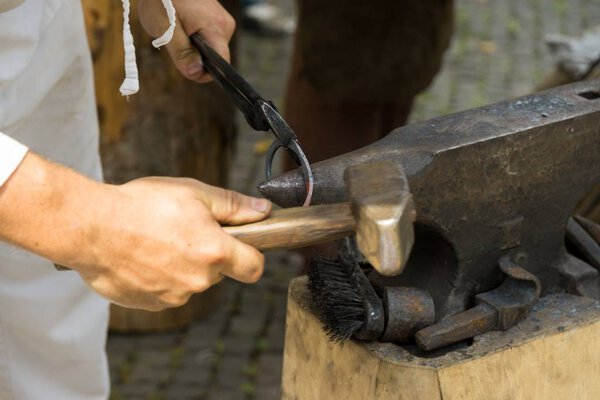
[149,243]
[44,208]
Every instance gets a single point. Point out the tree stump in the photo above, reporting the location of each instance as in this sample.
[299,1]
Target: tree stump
[172,127]
[553,353]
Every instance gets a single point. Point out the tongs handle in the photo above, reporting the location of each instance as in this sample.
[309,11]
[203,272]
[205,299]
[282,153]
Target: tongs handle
[260,113]
[239,90]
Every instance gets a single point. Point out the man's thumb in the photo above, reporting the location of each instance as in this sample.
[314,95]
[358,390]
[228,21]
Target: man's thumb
[234,208]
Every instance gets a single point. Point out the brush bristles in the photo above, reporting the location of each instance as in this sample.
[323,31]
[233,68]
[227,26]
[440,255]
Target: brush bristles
[336,298]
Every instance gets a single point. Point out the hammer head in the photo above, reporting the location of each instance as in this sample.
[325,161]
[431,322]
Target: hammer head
[384,211]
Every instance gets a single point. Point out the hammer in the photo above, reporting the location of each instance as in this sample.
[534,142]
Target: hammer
[380,211]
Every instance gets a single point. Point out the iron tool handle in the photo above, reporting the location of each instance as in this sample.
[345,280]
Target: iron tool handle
[243,95]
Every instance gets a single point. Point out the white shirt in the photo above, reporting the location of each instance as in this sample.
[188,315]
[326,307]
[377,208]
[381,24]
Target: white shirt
[13,60]
[19,36]
[52,325]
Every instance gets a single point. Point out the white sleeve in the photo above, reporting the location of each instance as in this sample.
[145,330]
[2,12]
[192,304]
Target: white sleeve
[11,155]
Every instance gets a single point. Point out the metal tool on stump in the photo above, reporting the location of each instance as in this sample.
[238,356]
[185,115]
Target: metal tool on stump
[498,309]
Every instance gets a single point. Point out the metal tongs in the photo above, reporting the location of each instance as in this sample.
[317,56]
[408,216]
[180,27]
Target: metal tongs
[261,114]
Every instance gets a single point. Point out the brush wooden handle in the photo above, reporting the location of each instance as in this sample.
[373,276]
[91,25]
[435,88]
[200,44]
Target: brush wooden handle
[291,228]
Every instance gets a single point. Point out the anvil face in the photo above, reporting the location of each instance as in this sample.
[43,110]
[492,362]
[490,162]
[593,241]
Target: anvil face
[500,180]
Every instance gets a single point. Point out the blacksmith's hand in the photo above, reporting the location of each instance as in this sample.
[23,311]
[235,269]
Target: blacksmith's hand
[207,17]
[148,244]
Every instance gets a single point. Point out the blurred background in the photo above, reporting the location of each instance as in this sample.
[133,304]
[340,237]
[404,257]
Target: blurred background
[228,343]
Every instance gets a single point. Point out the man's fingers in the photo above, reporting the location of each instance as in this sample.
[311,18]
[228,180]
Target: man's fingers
[213,22]
[218,41]
[208,17]
[233,208]
[225,206]
[246,264]
[186,57]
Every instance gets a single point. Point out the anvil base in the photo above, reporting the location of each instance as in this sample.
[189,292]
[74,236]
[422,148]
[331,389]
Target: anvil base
[554,353]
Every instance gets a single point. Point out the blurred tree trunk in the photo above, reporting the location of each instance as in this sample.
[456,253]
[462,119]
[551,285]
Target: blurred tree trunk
[172,127]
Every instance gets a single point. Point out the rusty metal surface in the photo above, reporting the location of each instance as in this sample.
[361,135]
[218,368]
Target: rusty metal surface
[464,325]
[498,309]
[584,242]
[514,297]
[580,278]
[590,226]
[407,310]
[495,181]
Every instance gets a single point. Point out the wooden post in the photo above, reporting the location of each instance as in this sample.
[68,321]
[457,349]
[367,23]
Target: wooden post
[553,354]
[172,127]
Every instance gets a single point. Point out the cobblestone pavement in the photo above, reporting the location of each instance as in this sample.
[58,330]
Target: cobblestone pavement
[236,352]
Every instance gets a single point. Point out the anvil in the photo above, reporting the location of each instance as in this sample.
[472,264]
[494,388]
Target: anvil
[491,183]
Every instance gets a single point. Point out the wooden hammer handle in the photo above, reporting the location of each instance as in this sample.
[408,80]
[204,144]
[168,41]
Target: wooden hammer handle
[291,228]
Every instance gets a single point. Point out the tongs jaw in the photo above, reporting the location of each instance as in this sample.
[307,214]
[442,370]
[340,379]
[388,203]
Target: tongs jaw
[260,114]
